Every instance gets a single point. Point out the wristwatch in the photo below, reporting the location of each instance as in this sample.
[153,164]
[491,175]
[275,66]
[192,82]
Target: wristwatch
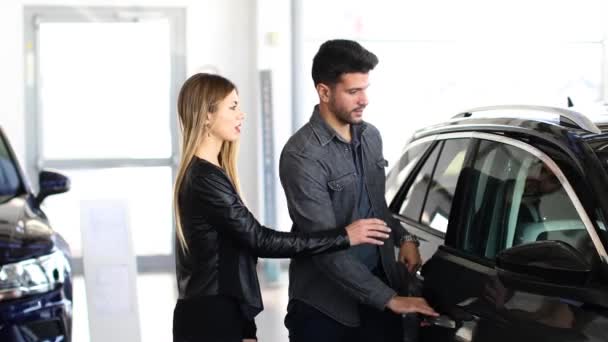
[409,238]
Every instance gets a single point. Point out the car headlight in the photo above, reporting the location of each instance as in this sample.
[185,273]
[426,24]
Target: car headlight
[31,276]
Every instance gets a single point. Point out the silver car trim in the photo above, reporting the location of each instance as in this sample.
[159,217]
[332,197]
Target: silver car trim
[578,118]
[599,247]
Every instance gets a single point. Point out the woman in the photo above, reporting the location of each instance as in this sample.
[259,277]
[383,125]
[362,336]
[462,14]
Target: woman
[219,239]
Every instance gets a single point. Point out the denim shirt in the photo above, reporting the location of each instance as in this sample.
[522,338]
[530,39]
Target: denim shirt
[320,183]
[367,254]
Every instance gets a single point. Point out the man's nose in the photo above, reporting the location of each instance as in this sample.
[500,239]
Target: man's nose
[363,99]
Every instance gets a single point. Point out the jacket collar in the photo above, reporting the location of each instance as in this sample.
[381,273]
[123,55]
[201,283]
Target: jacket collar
[324,132]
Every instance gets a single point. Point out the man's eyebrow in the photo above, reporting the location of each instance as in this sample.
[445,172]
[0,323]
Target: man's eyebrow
[359,88]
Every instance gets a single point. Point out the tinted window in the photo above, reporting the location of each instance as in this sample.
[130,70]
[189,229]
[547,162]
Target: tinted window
[434,185]
[9,178]
[515,199]
[440,195]
[411,207]
[398,174]
[602,154]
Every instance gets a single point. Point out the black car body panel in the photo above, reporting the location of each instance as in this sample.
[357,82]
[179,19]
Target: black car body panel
[497,268]
[42,311]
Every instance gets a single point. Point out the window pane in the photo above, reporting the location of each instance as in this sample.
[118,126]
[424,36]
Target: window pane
[414,199]
[516,199]
[545,211]
[399,173]
[147,192]
[9,177]
[441,193]
[109,83]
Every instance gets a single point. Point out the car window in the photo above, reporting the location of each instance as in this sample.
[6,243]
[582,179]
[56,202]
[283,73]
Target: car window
[438,204]
[516,199]
[603,156]
[411,207]
[9,178]
[429,198]
[398,174]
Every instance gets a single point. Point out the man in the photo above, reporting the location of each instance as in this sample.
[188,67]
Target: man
[332,171]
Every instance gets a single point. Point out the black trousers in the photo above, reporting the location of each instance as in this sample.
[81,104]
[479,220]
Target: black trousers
[305,323]
[210,319]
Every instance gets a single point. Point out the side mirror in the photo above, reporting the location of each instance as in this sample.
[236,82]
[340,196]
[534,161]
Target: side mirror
[543,262]
[51,182]
[550,268]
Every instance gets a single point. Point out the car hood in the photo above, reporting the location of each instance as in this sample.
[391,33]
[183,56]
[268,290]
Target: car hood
[23,234]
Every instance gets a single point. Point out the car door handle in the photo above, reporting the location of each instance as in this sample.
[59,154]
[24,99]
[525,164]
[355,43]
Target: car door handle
[443,321]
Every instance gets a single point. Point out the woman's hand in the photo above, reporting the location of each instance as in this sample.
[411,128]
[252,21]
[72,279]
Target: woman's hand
[372,231]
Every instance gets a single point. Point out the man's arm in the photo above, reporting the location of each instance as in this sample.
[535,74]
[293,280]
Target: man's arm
[311,210]
[406,242]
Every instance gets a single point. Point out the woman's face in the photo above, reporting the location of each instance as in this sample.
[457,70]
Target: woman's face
[227,120]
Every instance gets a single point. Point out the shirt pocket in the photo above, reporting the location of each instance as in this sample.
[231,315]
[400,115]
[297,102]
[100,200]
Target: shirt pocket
[382,163]
[340,183]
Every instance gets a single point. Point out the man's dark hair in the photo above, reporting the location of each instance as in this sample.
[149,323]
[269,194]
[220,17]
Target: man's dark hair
[340,56]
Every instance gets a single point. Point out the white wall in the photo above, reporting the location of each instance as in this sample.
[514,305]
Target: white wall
[220,33]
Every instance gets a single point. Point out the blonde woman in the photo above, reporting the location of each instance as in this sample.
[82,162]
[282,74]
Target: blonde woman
[219,239]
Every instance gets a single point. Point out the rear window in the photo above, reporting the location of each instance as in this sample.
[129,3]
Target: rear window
[9,177]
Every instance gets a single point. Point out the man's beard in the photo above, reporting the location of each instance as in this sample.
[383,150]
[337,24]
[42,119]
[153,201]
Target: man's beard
[344,115]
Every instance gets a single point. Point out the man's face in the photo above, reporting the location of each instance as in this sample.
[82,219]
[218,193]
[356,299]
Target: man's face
[348,98]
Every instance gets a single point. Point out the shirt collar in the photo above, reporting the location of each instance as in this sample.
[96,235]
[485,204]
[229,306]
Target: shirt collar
[325,133]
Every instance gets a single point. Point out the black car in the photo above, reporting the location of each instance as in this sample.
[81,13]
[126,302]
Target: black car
[512,213]
[35,273]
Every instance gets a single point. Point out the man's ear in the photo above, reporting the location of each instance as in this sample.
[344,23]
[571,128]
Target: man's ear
[324,92]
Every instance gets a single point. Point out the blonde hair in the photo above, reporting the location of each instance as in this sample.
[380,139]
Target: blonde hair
[200,95]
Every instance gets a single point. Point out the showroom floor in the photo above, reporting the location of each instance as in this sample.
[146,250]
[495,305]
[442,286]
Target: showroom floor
[156,297]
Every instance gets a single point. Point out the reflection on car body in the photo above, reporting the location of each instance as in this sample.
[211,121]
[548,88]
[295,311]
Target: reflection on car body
[35,272]
[511,213]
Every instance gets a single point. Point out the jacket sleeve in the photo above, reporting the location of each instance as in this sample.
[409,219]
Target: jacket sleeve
[310,208]
[224,209]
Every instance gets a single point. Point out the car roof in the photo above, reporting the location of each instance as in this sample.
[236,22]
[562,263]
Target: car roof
[553,123]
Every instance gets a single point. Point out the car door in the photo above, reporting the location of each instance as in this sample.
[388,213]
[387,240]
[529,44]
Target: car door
[430,170]
[506,196]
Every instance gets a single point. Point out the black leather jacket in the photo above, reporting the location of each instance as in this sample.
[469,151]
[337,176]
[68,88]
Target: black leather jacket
[224,240]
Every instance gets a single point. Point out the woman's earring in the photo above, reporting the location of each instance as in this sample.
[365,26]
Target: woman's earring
[208,128]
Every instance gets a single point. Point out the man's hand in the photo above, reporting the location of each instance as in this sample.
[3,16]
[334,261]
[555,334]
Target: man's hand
[404,305]
[410,256]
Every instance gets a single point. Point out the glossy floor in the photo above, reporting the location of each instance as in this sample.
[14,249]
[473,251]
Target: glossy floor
[156,299]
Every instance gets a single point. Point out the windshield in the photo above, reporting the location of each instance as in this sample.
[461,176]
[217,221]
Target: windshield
[9,177]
